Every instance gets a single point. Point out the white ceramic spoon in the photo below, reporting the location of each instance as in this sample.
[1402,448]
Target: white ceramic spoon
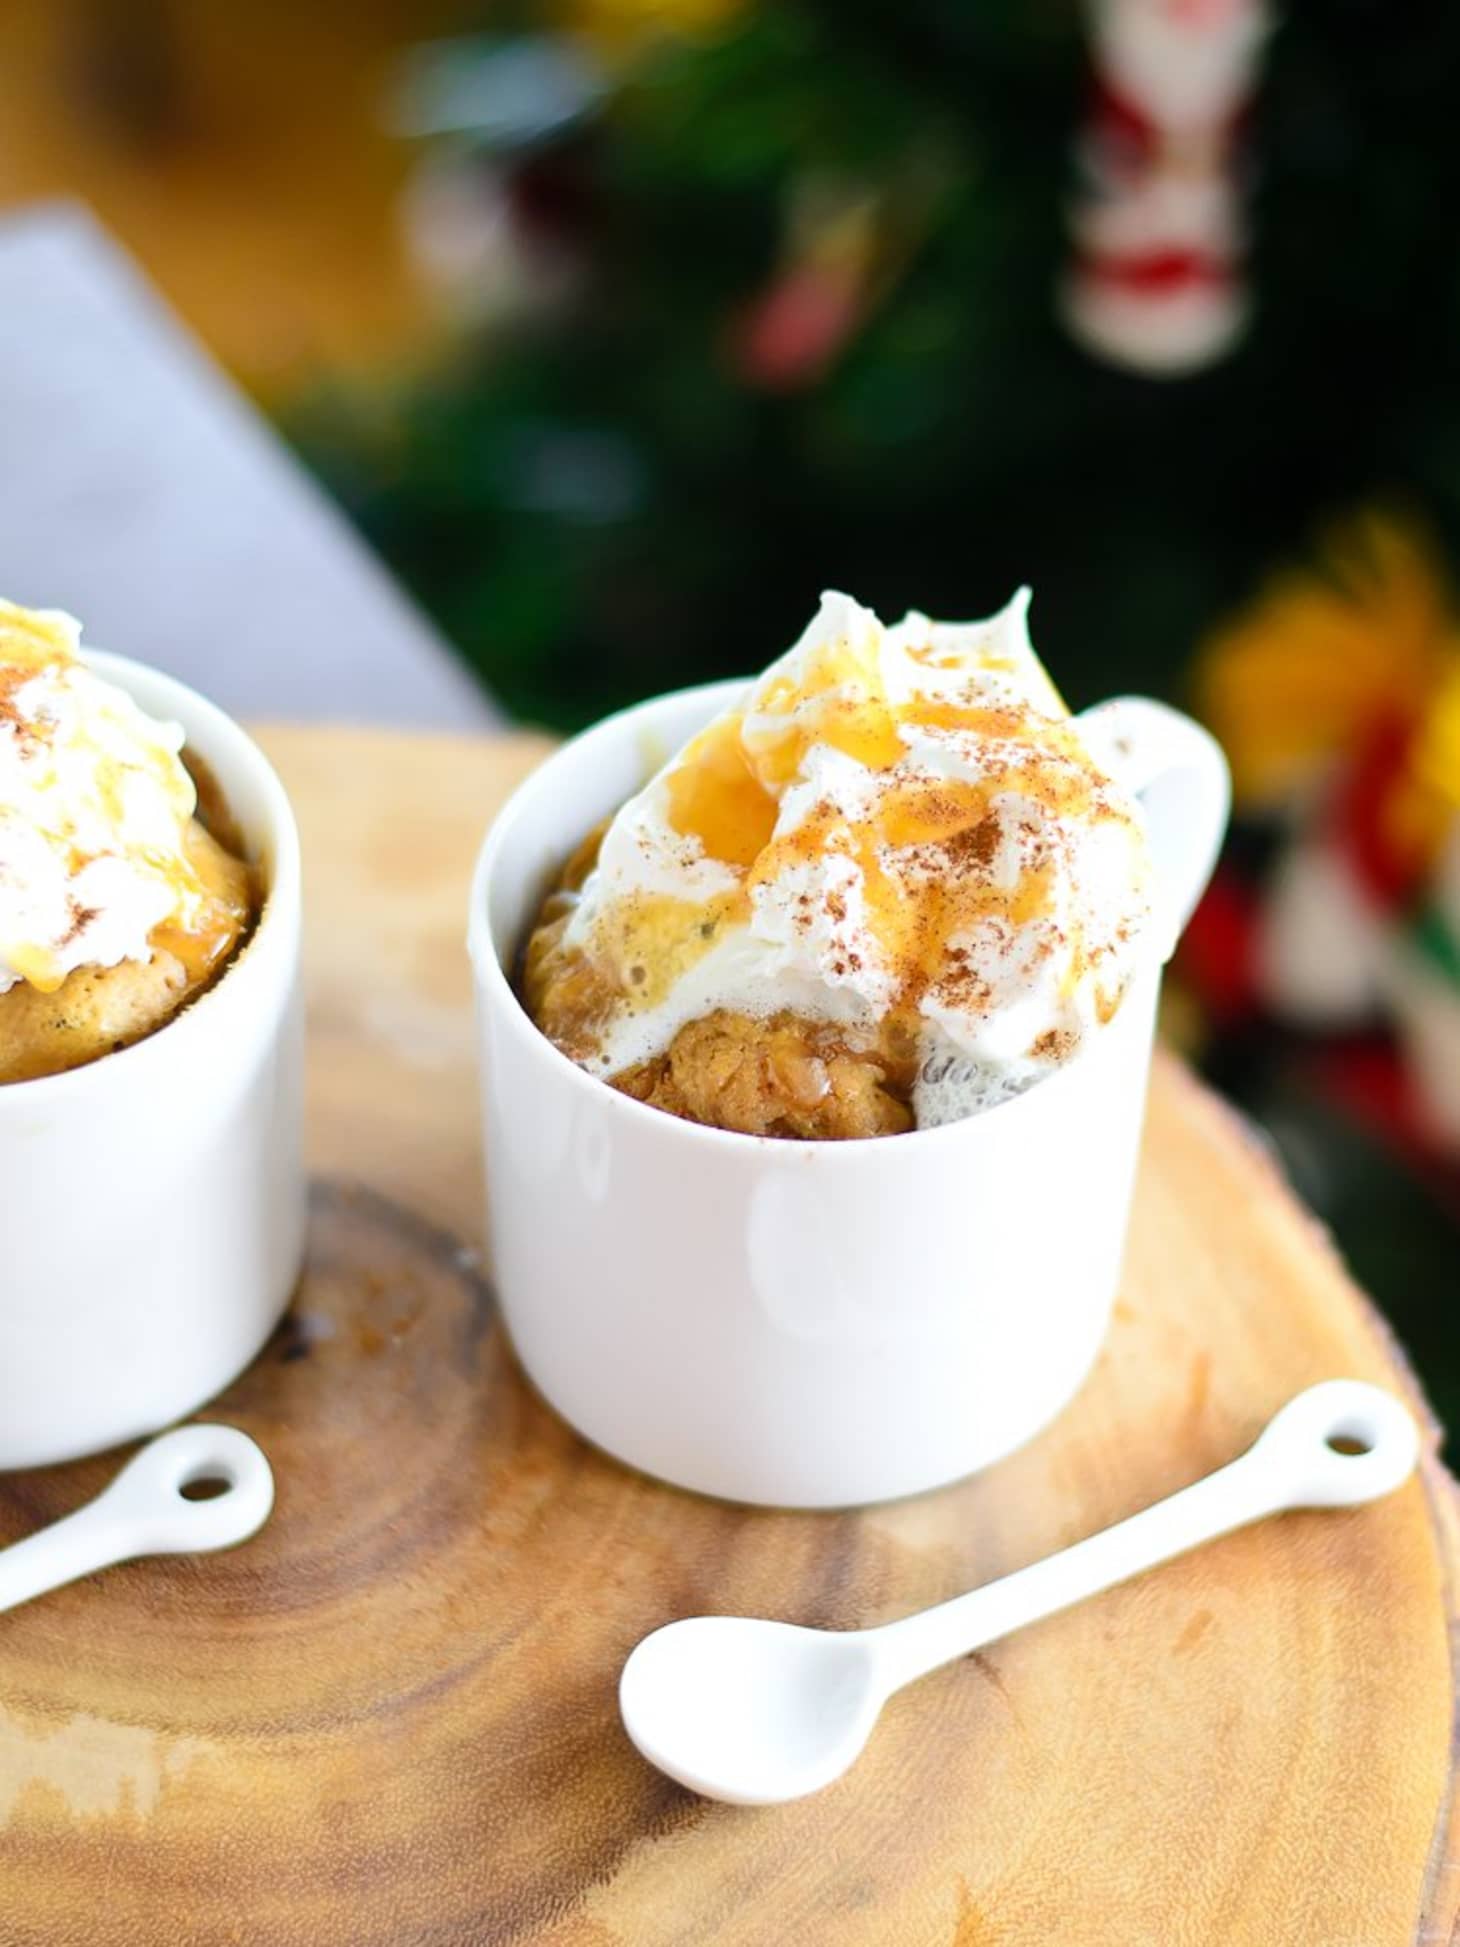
[147,1511]
[760,1712]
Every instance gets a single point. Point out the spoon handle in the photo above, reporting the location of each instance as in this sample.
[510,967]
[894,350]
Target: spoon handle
[1335,1445]
[147,1510]
[62,1553]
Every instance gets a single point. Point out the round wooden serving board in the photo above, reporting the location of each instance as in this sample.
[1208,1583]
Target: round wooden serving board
[391,1719]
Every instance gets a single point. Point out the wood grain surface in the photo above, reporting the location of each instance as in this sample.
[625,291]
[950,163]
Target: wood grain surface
[389,1720]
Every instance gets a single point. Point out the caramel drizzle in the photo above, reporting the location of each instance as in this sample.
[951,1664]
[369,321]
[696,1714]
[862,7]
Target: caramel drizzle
[924,859]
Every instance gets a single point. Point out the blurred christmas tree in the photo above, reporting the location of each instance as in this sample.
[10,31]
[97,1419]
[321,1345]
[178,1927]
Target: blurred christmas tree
[768,304]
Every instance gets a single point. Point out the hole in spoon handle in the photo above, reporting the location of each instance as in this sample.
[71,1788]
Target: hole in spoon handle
[1339,1444]
[155,1496]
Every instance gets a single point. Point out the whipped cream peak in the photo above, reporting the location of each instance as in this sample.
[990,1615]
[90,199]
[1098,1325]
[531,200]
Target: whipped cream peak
[897,825]
[96,809]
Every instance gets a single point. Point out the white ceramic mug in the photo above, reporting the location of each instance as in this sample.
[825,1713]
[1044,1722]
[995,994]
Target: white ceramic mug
[800,1323]
[152,1202]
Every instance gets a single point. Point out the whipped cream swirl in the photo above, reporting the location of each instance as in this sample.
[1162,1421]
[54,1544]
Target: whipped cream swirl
[897,822]
[95,811]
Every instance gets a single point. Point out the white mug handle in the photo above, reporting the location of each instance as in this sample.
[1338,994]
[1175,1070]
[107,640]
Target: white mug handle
[1179,773]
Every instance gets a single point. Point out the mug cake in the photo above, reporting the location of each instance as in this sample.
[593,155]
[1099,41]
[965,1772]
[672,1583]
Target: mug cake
[124,892]
[812,1085]
[891,887]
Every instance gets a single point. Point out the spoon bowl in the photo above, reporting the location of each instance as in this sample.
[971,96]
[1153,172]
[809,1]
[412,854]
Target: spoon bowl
[751,1712]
